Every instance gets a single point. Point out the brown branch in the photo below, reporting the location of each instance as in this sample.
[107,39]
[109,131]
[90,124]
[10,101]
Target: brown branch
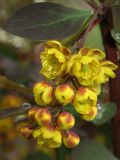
[111,52]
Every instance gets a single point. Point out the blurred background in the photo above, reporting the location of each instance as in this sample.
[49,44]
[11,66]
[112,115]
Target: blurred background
[19,62]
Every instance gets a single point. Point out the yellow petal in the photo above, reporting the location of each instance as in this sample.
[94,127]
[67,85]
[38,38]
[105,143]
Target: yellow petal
[91,115]
[83,51]
[47,95]
[82,108]
[37,133]
[54,44]
[86,60]
[109,72]
[109,64]
[71,62]
[98,54]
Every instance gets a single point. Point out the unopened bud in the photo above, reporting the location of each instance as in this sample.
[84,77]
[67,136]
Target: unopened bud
[64,93]
[71,139]
[31,113]
[27,131]
[65,120]
[43,117]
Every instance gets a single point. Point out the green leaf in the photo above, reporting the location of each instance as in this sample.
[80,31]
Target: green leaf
[90,150]
[105,113]
[44,21]
[38,156]
[62,152]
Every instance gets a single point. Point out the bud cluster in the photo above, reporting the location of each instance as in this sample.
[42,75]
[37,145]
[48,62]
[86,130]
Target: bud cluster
[48,131]
[77,80]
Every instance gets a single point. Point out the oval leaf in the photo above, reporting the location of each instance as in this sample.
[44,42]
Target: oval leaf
[105,113]
[90,150]
[45,20]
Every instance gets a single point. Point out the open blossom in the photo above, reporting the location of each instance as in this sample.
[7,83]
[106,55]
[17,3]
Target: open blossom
[106,71]
[84,66]
[48,136]
[84,100]
[43,93]
[54,59]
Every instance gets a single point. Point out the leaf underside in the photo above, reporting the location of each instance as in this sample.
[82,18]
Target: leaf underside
[45,20]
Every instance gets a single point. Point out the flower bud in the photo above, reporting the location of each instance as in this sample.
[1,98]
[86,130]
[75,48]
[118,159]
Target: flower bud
[64,93]
[71,139]
[43,117]
[27,131]
[31,113]
[65,120]
[43,93]
[91,115]
[84,100]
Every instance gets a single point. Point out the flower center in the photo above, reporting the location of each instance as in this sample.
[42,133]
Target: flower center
[85,68]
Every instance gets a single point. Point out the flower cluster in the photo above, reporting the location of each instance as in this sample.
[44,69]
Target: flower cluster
[85,72]
[49,133]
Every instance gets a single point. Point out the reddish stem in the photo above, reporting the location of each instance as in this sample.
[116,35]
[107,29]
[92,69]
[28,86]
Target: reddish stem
[111,51]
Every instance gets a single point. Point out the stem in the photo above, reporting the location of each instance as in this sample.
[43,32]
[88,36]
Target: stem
[111,52]
[82,40]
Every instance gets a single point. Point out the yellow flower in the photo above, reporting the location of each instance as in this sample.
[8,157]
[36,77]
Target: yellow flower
[48,136]
[43,93]
[91,115]
[84,66]
[54,59]
[106,71]
[84,100]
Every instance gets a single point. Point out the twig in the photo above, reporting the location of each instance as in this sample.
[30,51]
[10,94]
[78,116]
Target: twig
[82,40]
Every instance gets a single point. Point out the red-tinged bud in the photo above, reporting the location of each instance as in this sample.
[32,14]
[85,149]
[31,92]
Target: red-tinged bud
[31,113]
[65,120]
[91,115]
[71,139]
[64,93]
[43,117]
[27,131]
[43,93]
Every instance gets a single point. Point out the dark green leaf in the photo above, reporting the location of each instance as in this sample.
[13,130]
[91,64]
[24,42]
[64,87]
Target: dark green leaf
[38,156]
[44,21]
[105,113]
[90,150]
[62,152]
